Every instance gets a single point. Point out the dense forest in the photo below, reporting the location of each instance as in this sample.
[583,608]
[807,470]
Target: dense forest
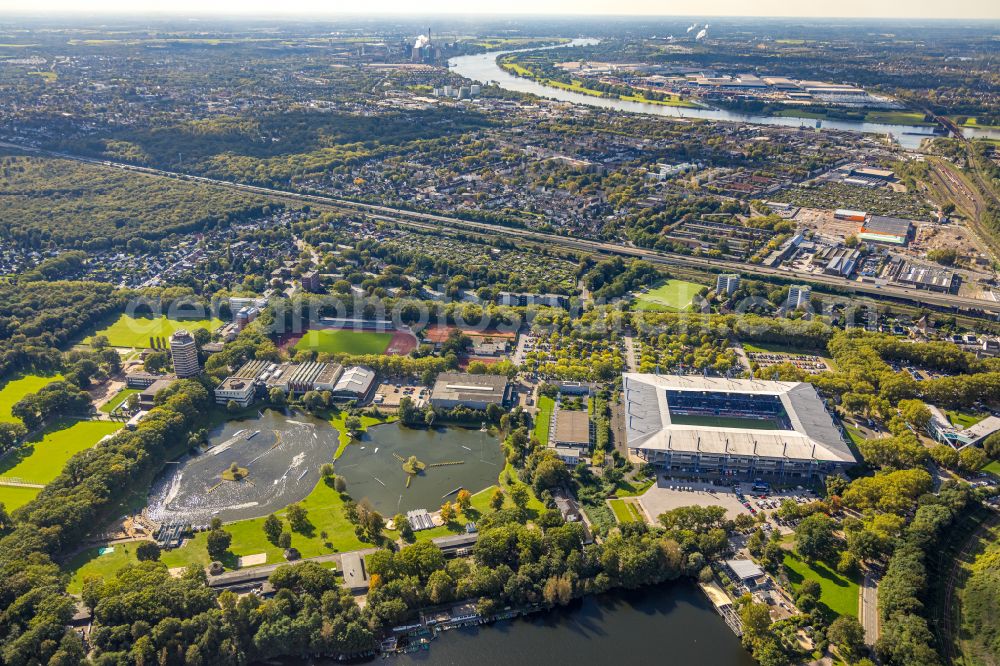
[37,318]
[49,202]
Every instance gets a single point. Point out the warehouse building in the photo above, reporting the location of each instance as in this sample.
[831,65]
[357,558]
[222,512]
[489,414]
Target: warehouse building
[887,230]
[927,277]
[739,429]
[354,384]
[453,389]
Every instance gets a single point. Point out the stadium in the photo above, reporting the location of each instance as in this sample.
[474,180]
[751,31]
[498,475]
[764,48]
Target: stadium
[739,429]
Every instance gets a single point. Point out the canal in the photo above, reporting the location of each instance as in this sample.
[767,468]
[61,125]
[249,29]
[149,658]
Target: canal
[483,68]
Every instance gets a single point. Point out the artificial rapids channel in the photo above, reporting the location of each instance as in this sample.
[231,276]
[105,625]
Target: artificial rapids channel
[280,455]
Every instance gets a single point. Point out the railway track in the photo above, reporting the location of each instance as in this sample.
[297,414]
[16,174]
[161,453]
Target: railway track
[920,298]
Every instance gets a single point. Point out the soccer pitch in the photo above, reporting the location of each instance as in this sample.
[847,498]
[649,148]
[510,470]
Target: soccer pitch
[344,342]
[672,296]
[15,389]
[131,331]
[42,461]
[723,422]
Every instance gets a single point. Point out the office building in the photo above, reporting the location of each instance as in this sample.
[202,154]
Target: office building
[798,297]
[184,353]
[727,283]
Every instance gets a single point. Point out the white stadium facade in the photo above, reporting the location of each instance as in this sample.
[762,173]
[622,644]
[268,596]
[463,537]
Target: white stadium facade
[738,429]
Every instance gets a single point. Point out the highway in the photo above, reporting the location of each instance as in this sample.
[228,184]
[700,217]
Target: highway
[402,216]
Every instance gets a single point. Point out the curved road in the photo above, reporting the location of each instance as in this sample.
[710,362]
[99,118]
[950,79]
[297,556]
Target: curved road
[400,215]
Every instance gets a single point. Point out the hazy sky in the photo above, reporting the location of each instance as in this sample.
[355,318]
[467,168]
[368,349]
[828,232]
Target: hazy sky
[989,9]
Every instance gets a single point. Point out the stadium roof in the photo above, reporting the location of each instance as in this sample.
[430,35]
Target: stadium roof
[813,436]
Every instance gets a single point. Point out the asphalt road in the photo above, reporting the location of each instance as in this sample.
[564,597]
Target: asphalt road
[868,608]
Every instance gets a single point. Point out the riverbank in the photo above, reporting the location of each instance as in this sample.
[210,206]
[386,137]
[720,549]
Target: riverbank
[484,68]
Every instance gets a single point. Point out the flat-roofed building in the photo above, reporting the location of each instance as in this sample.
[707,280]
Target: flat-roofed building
[281,377]
[850,215]
[141,380]
[571,429]
[887,230]
[352,565]
[732,428]
[727,283]
[239,390]
[453,389]
[147,398]
[526,299]
[798,297]
[927,277]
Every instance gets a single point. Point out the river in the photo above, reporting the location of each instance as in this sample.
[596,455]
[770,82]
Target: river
[483,68]
[672,623]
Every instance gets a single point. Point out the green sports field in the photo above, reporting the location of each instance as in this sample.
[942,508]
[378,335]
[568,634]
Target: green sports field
[135,331]
[672,296]
[344,342]
[15,389]
[722,422]
[42,461]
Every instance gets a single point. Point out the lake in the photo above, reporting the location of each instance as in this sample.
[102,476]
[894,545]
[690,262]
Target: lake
[671,624]
[483,68]
[373,467]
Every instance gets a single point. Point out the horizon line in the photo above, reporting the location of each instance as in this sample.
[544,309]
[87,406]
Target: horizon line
[195,14]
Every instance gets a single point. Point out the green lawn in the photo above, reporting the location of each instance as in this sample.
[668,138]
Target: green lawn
[897,118]
[136,331]
[672,296]
[838,593]
[118,399]
[325,512]
[856,435]
[973,122]
[543,419]
[993,467]
[633,488]
[625,512]
[350,342]
[14,497]
[15,389]
[481,506]
[963,419]
[337,421]
[42,461]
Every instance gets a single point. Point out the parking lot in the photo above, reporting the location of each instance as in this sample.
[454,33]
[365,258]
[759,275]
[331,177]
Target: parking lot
[669,493]
[389,394]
